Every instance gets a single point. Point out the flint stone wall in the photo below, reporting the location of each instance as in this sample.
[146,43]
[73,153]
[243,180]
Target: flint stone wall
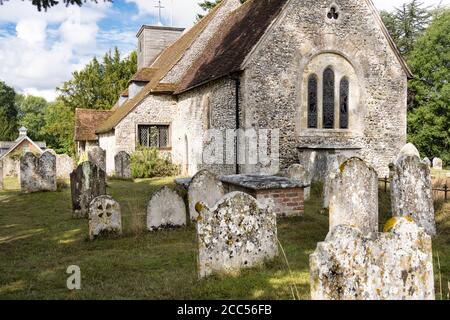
[238,232]
[97,156]
[38,173]
[204,187]
[397,265]
[87,182]
[105,218]
[354,197]
[122,163]
[411,190]
[165,209]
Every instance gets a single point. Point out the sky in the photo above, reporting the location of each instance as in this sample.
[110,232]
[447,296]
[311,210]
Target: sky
[40,50]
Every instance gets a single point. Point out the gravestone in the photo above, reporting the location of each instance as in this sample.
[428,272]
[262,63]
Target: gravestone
[1,174]
[238,232]
[122,162]
[298,172]
[204,187]
[165,209]
[38,173]
[411,189]
[437,164]
[427,161]
[64,166]
[354,197]
[105,218]
[97,156]
[333,164]
[396,265]
[87,182]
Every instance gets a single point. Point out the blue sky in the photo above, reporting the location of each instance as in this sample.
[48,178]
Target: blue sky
[40,50]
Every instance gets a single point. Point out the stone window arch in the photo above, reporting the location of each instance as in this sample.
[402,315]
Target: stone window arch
[312,101]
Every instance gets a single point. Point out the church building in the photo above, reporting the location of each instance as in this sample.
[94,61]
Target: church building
[324,74]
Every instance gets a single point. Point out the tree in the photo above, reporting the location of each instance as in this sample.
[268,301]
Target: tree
[429,117]
[99,85]
[31,111]
[46,4]
[208,5]
[8,113]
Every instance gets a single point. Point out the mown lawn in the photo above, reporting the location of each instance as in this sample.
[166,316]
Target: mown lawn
[39,239]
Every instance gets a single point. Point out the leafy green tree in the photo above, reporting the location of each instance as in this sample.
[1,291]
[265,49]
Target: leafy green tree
[429,117]
[31,111]
[99,84]
[8,113]
[46,4]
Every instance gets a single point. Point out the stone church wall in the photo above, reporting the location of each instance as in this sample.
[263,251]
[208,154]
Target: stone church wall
[107,142]
[274,94]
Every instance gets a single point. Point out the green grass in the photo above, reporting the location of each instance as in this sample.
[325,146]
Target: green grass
[39,240]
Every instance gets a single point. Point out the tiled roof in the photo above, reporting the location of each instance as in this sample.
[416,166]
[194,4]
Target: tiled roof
[86,121]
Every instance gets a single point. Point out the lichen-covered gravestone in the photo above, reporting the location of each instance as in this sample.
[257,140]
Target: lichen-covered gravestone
[64,166]
[204,187]
[299,173]
[396,265]
[354,197]
[38,173]
[97,156]
[411,189]
[122,162]
[165,209]
[334,162]
[438,164]
[105,218]
[87,182]
[238,232]
[427,161]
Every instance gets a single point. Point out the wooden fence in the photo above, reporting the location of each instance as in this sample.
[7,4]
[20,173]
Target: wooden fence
[445,188]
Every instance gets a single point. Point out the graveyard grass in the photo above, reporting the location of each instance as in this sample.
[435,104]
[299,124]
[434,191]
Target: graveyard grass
[39,240]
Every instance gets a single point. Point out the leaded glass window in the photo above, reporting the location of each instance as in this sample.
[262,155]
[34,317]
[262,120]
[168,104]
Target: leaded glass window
[312,101]
[343,109]
[154,136]
[328,99]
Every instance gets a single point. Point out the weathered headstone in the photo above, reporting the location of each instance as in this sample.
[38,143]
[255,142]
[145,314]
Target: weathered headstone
[333,165]
[97,156]
[299,173]
[427,161]
[64,166]
[354,197]
[204,187]
[438,164]
[411,189]
[165,209]
[238,232]
[87,182]
[122,162]
[105,218]
[396,265]
[38,173]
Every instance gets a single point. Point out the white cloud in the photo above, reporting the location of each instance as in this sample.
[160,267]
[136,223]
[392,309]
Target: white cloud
[32,31]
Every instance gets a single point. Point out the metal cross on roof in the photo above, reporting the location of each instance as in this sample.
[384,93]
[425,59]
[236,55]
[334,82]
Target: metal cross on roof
[159,6]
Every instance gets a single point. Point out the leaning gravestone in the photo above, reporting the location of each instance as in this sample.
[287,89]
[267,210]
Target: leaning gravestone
[105,218]
[427,162]
[38,173]
[238,232]
[204,187]
[438,164]
[97,156]
[333,165]
[411,189]
[122,162]
[299,173]
[165,209]
[396,265]
[354,197]
[87,182]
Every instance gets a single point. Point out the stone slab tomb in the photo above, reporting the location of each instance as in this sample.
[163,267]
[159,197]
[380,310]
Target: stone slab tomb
[205,187]
[438,164]
[411,189]
[395,265]
[122,163]
[38,173]
[238,232]
[286,194]
[166,209]
[354,197]
[87,182]
[97,156]
[105,219]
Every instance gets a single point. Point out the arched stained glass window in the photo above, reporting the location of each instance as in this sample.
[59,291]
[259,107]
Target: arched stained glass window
[343,103]
[328,98]
[312,101]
